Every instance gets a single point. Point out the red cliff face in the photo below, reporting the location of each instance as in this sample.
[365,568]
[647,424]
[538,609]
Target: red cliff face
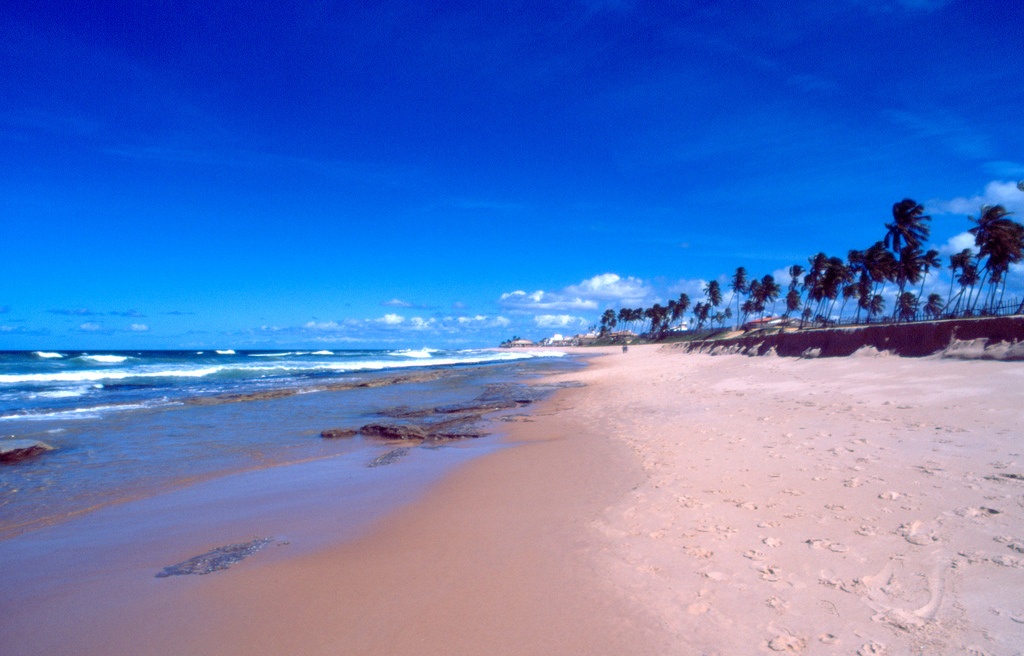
[986,338]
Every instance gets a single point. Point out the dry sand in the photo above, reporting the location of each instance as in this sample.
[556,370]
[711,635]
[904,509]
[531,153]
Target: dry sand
[860,505]
[677,504]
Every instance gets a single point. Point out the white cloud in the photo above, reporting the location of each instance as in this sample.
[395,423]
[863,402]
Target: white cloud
[391,319]
[996,192]
[611,286]
[90,327]
[588,295]
[396,302]
[139,328]
[419,323]
[541,300]
[957,243]
[692,288]
[322,326]
[558,321]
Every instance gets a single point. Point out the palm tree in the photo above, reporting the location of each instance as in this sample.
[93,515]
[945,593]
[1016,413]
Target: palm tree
[863,293]
[968,278]
[930,260]
[607,321]
[957,262]
[680,307]
[880,265]
[933,308]
[837,274]
[738,285]
[700,313]
[909,226]
[908,269]
[792,301]
[1000,241]
[813,281]
[755,296]
[770,291]
[656,313]
[906,306]
[875,306]
[713,291]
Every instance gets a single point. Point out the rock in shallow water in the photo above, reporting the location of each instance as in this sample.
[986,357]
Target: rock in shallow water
[339,432]
[218,559]
[389,457]
[16,450]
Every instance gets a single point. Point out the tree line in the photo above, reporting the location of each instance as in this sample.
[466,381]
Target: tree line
[861,278]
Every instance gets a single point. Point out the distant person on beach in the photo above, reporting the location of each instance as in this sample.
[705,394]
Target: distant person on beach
[625,347]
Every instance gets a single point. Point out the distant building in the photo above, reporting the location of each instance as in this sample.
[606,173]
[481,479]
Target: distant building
[518,343]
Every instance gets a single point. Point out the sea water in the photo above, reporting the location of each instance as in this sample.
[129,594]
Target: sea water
[127,426]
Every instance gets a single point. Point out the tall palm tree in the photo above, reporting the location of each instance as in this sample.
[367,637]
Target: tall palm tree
[909,226]
[908,270]
[957,262]
[681,306]
[930,260]
[700,313]
[934,306]
[875,306]
[608,321]
[713,291]
[863,293]
[837,274]
[968,278]
[1000,242]
[880,265]
[813,281]
[906,306]
[738,284]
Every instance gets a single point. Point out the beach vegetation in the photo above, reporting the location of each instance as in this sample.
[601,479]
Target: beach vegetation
[831,290]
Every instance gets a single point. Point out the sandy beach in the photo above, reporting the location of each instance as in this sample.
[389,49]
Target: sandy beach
[673,504]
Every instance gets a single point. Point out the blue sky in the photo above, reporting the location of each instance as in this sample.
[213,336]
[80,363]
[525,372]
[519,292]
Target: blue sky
[402,173]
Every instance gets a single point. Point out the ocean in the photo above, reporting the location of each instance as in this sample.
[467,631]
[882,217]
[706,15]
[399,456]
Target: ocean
[127,426]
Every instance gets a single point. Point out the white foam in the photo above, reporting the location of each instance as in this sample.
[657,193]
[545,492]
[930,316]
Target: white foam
[225,352]
[62,394]
[76,413]
[98,375]
[422,353]
[48,354]
[105,359]
[322,353]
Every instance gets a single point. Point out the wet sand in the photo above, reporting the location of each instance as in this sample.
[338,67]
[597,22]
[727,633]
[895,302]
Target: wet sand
[677,504]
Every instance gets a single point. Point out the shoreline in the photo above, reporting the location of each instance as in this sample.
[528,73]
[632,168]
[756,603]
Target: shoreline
[676,503]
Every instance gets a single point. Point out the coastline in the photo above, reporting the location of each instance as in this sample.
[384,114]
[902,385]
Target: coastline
[677,503]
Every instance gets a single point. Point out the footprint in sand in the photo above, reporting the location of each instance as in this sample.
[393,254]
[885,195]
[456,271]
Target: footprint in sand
[915,534]
[872,649]
[1016,544]
[787,642]
[772,542]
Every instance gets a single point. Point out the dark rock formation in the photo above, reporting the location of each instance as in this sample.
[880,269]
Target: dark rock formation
[456,421]
[218,559]
[394,431]
[339,432]
[17,450]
